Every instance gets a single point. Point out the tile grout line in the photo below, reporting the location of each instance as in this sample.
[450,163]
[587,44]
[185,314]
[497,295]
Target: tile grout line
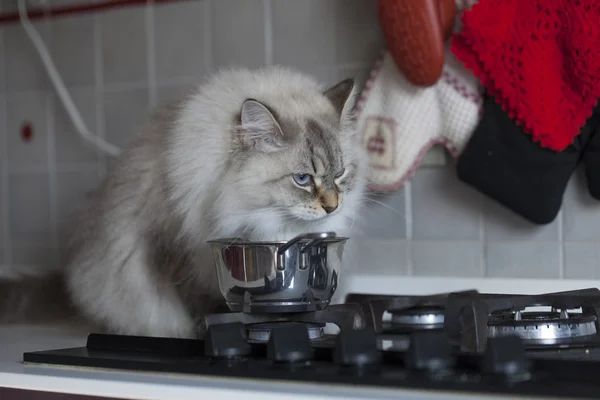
[98,95]
[28,169]
[335,68]
[268,22]
[125,86]
[4,211]
[30,243]
[208,36]
[51,161]
[408,211]
[5,188]
[151,54]
[52,175]
[482,239]
[561,245]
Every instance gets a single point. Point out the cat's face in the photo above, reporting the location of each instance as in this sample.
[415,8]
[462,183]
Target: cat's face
[300,169]
[316,173]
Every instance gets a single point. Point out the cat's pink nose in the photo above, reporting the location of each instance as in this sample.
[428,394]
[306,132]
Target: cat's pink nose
[329,209]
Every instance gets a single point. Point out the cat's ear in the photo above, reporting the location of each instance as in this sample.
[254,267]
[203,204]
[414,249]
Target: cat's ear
[259,128]
[342,96]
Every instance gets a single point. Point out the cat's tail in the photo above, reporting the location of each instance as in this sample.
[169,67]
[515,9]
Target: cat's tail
[33,297]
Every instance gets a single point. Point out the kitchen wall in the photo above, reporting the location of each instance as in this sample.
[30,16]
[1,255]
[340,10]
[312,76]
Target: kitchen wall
[118,64]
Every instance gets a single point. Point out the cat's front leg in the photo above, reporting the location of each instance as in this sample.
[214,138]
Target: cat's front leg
[116,288]
[200,287]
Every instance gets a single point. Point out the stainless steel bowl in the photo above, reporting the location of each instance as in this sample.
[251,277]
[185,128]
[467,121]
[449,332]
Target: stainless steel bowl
[276,277]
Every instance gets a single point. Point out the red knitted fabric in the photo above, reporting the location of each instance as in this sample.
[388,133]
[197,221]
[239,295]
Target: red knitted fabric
[540,59]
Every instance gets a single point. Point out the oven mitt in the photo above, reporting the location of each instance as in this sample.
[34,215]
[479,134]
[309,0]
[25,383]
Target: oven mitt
[591,156]
[539,58]
[399,122]
[505,164]
[398,118]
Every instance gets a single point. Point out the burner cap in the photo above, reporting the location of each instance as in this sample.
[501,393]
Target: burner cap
[418,318]
[261,332]
[545,328]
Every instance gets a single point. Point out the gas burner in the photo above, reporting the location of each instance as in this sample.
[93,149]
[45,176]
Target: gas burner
[258,326]
[471,319]
[550,327]
[261,332]
[418,318]
[407,314]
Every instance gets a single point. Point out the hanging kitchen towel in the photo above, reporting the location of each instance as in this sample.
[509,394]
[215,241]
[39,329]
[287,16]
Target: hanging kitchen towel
[539,58]
[505,164]
[399,122]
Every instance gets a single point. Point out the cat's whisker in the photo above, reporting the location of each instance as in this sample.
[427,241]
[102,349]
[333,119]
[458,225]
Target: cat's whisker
[275,211]
[240,234]
[385,206]
[353,220]
[309,223]
[183,279]
[367,210]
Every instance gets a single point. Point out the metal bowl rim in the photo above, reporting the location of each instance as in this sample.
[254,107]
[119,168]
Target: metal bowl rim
[238,242]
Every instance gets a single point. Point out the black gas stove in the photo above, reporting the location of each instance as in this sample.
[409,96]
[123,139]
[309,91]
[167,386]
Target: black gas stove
[537,345]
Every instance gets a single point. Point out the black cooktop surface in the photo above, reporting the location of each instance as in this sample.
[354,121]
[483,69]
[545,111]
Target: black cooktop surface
[430,362]
[460,342]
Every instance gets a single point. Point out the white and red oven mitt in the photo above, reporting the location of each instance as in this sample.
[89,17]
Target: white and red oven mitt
[399,122]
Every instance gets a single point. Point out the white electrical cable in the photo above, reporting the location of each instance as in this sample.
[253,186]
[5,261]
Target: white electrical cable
[60,87]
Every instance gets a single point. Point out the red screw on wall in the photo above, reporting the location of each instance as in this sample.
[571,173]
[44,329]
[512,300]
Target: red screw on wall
[26,132]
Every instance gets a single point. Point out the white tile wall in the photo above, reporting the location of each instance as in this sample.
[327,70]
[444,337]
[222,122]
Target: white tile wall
[123,112]
[23,71]
[181,23]
[124,46]
[67,149]
[23,108]
[73,49]
[243,45]
[120,63]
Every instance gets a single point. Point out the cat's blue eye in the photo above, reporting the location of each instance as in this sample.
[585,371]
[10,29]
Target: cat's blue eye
[302,179]
[339,174]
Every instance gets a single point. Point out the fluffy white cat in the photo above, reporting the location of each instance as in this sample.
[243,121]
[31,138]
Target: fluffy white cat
[263,155]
